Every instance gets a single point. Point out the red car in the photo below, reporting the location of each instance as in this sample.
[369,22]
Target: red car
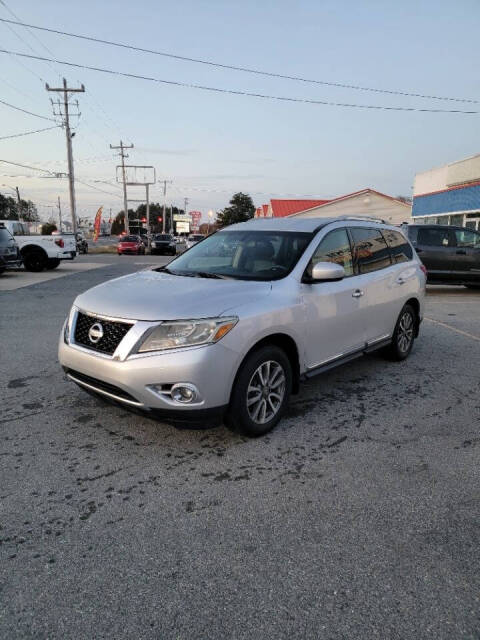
[130,244]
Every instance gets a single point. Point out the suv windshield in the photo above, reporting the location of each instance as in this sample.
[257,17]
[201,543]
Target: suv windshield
[246,255]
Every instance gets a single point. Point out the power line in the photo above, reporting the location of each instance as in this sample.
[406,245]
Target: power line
[30,113]
[26,166]
[238,68]
[27,133]
[239,92]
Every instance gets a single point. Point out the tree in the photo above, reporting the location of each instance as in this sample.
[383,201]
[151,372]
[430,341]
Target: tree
[8,208]
[241,209]
[28,211]
[48,228]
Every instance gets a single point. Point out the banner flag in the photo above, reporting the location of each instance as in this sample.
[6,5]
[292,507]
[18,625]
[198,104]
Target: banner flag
[97,224]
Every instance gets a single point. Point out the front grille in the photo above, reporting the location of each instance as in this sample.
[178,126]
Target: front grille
[113,333]
[102,386]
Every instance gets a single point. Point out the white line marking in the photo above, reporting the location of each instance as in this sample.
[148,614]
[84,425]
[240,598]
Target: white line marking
[448,326]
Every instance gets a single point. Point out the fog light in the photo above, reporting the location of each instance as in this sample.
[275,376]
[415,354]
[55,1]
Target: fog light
[184,393]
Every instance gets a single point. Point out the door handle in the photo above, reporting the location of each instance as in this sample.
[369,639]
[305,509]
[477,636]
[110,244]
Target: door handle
[461,252]
[401,280]
[357,294]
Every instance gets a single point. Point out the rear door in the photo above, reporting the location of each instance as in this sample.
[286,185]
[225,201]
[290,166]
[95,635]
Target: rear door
[467,254]
[334,323]
[376,282]
[436,249]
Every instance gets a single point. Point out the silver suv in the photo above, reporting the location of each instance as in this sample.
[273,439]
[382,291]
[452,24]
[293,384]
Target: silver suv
[230,328]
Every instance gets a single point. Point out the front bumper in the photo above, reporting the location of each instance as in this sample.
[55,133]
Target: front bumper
[210,368]
[8,262]
[163,250]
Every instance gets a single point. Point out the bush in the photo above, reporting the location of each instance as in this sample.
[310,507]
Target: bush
[48,228]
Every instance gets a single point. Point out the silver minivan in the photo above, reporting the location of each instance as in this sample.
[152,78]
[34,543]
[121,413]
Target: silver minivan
[230,328]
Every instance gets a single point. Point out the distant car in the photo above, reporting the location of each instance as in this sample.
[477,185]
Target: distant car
[9,253]
[193,239]
[130,245]
[163,244]
[450,254]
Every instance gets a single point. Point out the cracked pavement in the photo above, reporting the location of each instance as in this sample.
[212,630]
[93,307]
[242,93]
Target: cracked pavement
[358,517]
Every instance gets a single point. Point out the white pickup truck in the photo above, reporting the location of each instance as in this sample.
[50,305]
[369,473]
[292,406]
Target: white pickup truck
[41,252]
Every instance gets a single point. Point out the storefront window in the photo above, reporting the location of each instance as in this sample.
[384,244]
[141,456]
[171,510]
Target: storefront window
[457,220]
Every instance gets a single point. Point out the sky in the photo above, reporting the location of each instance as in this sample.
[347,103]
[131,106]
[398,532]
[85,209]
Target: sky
[211,145]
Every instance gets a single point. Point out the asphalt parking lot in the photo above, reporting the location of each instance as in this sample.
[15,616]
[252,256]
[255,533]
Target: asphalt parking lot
[358,517]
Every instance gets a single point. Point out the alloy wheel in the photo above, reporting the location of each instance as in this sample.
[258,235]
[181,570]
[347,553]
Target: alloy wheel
[405,332]
[266,391]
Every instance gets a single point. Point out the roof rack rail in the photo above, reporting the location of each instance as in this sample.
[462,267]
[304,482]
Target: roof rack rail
[360,217]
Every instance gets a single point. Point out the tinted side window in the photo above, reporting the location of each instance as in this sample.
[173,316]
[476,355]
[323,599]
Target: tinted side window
[370,250]
[433,237]
[469,239]
[335,247]
[400,249]
[17,229]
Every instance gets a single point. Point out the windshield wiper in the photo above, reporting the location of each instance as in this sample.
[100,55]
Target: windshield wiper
[167,270]
[208,274]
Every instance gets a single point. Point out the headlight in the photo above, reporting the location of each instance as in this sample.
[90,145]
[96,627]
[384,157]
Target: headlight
[186,333]
[68,324]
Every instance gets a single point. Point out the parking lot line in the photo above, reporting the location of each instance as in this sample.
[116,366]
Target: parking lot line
[448,326]
[12,280]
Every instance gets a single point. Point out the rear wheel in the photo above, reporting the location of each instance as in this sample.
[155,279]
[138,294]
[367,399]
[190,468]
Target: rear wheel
[52,263]
[404,334]
[35,260]
[261,392]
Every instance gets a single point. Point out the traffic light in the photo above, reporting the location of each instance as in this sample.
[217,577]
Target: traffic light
[144,219]
[159,218]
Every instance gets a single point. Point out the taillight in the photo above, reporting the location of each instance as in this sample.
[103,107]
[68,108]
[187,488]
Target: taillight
[424,269]
[60,242]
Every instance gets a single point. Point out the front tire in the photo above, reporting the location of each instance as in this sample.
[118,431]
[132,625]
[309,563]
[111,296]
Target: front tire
[404,334]
[261,392]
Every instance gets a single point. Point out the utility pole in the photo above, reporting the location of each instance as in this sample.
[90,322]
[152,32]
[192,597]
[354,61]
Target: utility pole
[66,123]
[149,228]
[19,206]
[59,215]
[185,200]
[124,155]
[164,182]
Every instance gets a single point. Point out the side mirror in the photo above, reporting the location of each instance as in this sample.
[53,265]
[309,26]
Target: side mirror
[324,271]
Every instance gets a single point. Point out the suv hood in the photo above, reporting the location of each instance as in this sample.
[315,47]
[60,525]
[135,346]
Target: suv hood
[150,295]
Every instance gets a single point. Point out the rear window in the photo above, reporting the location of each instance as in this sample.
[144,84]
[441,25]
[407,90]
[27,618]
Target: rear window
[400,248]
[432,237]
[370,249]
[162,236]
[129,239]
[196,238]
